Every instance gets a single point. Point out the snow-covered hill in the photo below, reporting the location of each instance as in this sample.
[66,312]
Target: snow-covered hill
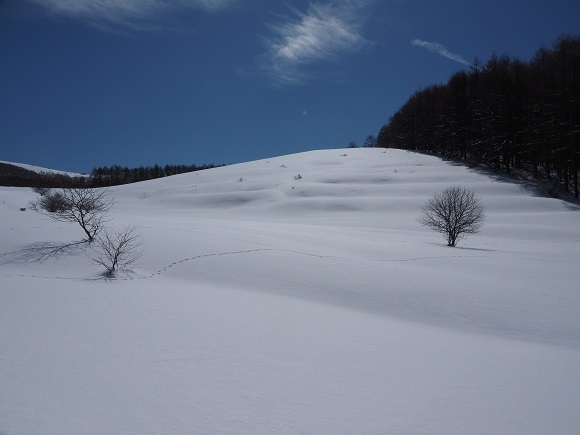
[298,294]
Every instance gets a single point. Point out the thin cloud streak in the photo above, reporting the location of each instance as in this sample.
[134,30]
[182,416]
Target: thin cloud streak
[439,49]
[323,32]
[127,13]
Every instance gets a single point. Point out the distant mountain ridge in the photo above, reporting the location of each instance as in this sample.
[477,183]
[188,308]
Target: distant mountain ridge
[41,170]
[24,175]
[21,175]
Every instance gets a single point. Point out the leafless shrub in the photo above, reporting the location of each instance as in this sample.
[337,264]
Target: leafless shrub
[50,202]
[118,250]
[42,190]
[455,212]
[87,207]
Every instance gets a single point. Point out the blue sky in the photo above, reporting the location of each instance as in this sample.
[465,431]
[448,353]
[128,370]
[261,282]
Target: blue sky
[85,83]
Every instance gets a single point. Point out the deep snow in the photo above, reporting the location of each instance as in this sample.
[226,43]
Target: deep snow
[269,304]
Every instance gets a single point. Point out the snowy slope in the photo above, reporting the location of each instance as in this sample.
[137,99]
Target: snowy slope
[271,303]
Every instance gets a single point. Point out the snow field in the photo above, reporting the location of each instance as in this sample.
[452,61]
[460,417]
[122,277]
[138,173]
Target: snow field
[317,305]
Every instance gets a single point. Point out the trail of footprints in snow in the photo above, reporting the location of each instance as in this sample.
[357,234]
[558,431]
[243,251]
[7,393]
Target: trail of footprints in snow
[197,257]
[393,260]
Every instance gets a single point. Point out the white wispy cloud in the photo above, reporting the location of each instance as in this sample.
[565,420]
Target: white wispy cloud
[129,13]
[325,31]
[439,49]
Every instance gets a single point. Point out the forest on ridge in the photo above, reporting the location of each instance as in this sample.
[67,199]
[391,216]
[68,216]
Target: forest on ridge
[506,113]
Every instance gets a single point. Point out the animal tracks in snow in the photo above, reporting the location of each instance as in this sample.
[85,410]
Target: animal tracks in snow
[221,254]
[349,259]
[289,251]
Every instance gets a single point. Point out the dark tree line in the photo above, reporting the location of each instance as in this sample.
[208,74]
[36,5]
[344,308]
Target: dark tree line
[116,174]
[507,113]
[12,175]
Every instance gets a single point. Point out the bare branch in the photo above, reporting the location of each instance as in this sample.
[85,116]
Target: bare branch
[454,213]
[118,250]
[87,207]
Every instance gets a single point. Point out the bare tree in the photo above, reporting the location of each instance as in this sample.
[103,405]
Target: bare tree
[87,207]
[370,141]
[42,190]
[455,212]
[118,250]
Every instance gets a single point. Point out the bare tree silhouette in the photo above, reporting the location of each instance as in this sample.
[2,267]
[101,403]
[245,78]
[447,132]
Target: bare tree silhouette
[88,207]
[455,212]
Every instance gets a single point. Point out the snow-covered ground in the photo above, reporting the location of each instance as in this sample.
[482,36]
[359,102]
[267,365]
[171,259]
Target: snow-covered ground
[269,303]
